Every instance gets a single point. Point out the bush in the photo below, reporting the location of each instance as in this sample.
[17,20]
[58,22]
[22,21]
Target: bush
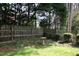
[67,36]
[77,38]
[49,36]
[54,37]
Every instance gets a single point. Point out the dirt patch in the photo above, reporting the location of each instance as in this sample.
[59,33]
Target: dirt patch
[7,49]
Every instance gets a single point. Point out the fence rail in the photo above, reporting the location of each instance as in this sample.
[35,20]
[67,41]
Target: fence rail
[6,33]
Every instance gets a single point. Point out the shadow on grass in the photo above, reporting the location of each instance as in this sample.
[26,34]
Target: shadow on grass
[20,52]
[75,45]
[41,46]
[28,50]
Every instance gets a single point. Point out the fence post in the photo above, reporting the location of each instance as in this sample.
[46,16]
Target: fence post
[31,30]
[11,28]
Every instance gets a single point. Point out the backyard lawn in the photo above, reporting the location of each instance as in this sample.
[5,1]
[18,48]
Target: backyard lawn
[39,29]
[53,50]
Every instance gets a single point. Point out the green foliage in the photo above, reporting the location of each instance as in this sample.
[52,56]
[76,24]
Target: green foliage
[77,38]
[75,25]
[61,10]
[54,50]
[45,6]
[3,11]
[44,23]
[58,8]
[49,36]
[67,36]
[54,37]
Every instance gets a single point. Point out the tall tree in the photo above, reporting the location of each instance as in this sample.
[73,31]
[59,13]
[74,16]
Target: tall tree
[56,8]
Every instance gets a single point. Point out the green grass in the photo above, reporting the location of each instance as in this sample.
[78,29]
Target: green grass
[52,50]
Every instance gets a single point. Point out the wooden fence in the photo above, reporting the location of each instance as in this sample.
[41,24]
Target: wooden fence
[18,32]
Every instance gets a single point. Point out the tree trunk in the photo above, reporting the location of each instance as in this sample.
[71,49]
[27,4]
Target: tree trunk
[49,19]
[55,23]
[35,20]
[70,17]
[28,13]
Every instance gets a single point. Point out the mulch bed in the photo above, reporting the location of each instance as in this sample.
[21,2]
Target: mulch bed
[7,49]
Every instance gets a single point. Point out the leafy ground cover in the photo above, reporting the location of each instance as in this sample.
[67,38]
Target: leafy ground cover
[51,50]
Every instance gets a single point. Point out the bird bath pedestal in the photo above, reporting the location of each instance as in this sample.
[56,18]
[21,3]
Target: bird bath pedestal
[43,40]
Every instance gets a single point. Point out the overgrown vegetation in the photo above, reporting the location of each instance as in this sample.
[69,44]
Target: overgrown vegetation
[68,37]
[56,19]
[54,50]
[77,39]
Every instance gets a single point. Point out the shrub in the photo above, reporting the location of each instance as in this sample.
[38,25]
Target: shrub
[77,38]
[67,36]
[54,37]
[49,36]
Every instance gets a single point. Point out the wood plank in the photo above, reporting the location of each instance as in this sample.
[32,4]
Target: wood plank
[7,42]
[19,35]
